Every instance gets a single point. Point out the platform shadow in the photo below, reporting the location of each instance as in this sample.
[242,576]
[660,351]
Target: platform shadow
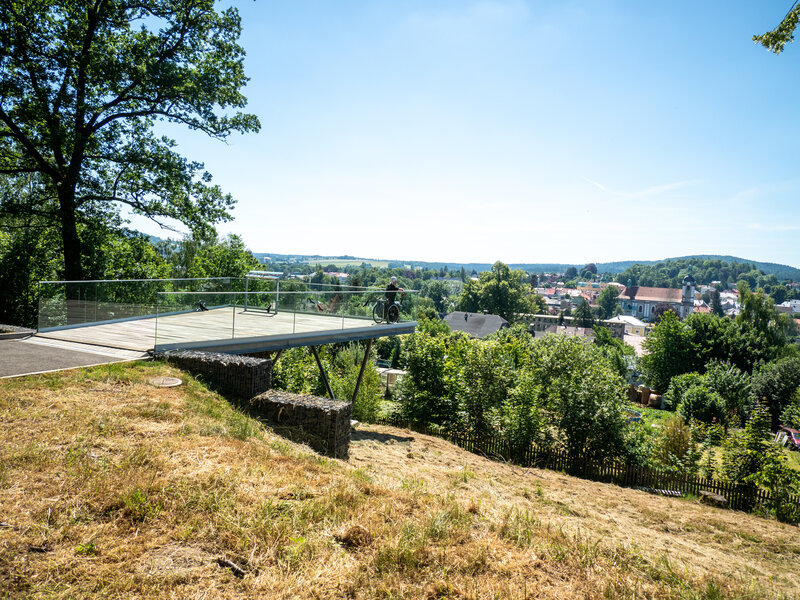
[358,435]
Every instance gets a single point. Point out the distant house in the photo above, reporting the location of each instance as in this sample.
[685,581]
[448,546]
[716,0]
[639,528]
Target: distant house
[641,302]
[339,276]
[700,306]
[477,325]
[543,323]
[789,307]
[569,331]
[633,326]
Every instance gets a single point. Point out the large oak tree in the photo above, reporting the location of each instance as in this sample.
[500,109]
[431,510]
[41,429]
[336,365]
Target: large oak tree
[83,86]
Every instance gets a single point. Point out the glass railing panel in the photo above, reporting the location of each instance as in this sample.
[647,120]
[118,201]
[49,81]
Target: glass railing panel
[194,317]
[70,303]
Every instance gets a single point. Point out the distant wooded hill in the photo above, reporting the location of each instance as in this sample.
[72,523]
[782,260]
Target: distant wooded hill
[781,272]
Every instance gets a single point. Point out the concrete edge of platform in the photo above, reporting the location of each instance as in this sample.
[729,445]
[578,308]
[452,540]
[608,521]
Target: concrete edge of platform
[16,335]
[110,362]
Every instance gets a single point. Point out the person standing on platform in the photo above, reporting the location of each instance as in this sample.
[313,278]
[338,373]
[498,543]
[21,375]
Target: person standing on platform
[391,294]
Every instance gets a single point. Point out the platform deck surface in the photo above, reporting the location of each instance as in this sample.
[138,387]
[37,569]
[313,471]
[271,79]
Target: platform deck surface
[224,323]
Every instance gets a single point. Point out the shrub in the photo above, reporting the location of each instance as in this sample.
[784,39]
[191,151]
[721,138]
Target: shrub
[701,403]
[791,414]
[775,384]
[487,375]
[674,442]
[732,384]
[427,392]
[781,481]
[583,395]
[344,375]
[743,452]
[679,385]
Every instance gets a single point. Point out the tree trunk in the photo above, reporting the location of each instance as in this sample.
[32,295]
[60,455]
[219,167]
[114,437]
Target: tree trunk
[73,269]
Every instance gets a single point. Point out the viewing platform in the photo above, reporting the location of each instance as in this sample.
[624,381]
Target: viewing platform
[235,315]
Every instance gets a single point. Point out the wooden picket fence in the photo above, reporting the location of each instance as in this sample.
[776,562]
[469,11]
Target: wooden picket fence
[739,496]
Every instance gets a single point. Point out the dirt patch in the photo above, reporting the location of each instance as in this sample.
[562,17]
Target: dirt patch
[175,560]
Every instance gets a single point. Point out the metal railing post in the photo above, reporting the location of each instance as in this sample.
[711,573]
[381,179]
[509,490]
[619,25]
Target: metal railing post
[155,333]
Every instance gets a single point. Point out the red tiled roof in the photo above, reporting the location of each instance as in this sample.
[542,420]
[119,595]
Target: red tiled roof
[651,294]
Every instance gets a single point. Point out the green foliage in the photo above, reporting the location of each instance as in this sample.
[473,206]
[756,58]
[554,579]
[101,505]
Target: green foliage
[29,253]
[83,86]
[720,395]
[486,376]
[782,482]
[433,326]
[296,371]
[776,385]
[127,256]
[522,417]
[228,257]
[671,351]
[758,313]
[607,302]
[776,40]
[679,385]
[615,350]
[441,293]
[712,336]
[538,304]
[674,446]
[428,388]
[582,394]
[517,343]
[703,404]
[583,314]
[779,293]
[426,310]
[743,453]
[499,291]
[716,304]
[791,414]
[670,273]
[554,391]
[733,386]
[346,365]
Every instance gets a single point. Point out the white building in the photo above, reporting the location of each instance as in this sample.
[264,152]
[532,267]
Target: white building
[641,302]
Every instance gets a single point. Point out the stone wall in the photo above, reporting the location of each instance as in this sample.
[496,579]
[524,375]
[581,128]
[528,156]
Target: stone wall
[240,376]
[321,423]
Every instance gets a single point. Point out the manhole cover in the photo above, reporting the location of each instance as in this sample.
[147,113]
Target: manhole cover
[165,381]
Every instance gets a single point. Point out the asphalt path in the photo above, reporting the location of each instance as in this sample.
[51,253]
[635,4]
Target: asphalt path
[34,355]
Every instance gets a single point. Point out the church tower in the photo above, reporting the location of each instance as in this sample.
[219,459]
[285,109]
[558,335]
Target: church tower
[687,297]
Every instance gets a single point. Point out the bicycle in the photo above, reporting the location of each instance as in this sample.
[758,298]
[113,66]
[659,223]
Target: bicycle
[383,312]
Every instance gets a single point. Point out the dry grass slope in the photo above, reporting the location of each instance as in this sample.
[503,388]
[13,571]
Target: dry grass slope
[112,488]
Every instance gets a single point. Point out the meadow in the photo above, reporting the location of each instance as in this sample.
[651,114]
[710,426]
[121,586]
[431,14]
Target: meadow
[111,487]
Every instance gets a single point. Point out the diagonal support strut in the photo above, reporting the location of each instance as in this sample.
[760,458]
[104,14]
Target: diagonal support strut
[361,372]
[322,372]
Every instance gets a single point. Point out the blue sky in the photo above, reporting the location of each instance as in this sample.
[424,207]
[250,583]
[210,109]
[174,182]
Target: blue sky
[522,131]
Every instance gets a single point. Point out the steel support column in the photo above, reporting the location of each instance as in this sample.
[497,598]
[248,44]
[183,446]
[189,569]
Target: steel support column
[322,372]
[361,372]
